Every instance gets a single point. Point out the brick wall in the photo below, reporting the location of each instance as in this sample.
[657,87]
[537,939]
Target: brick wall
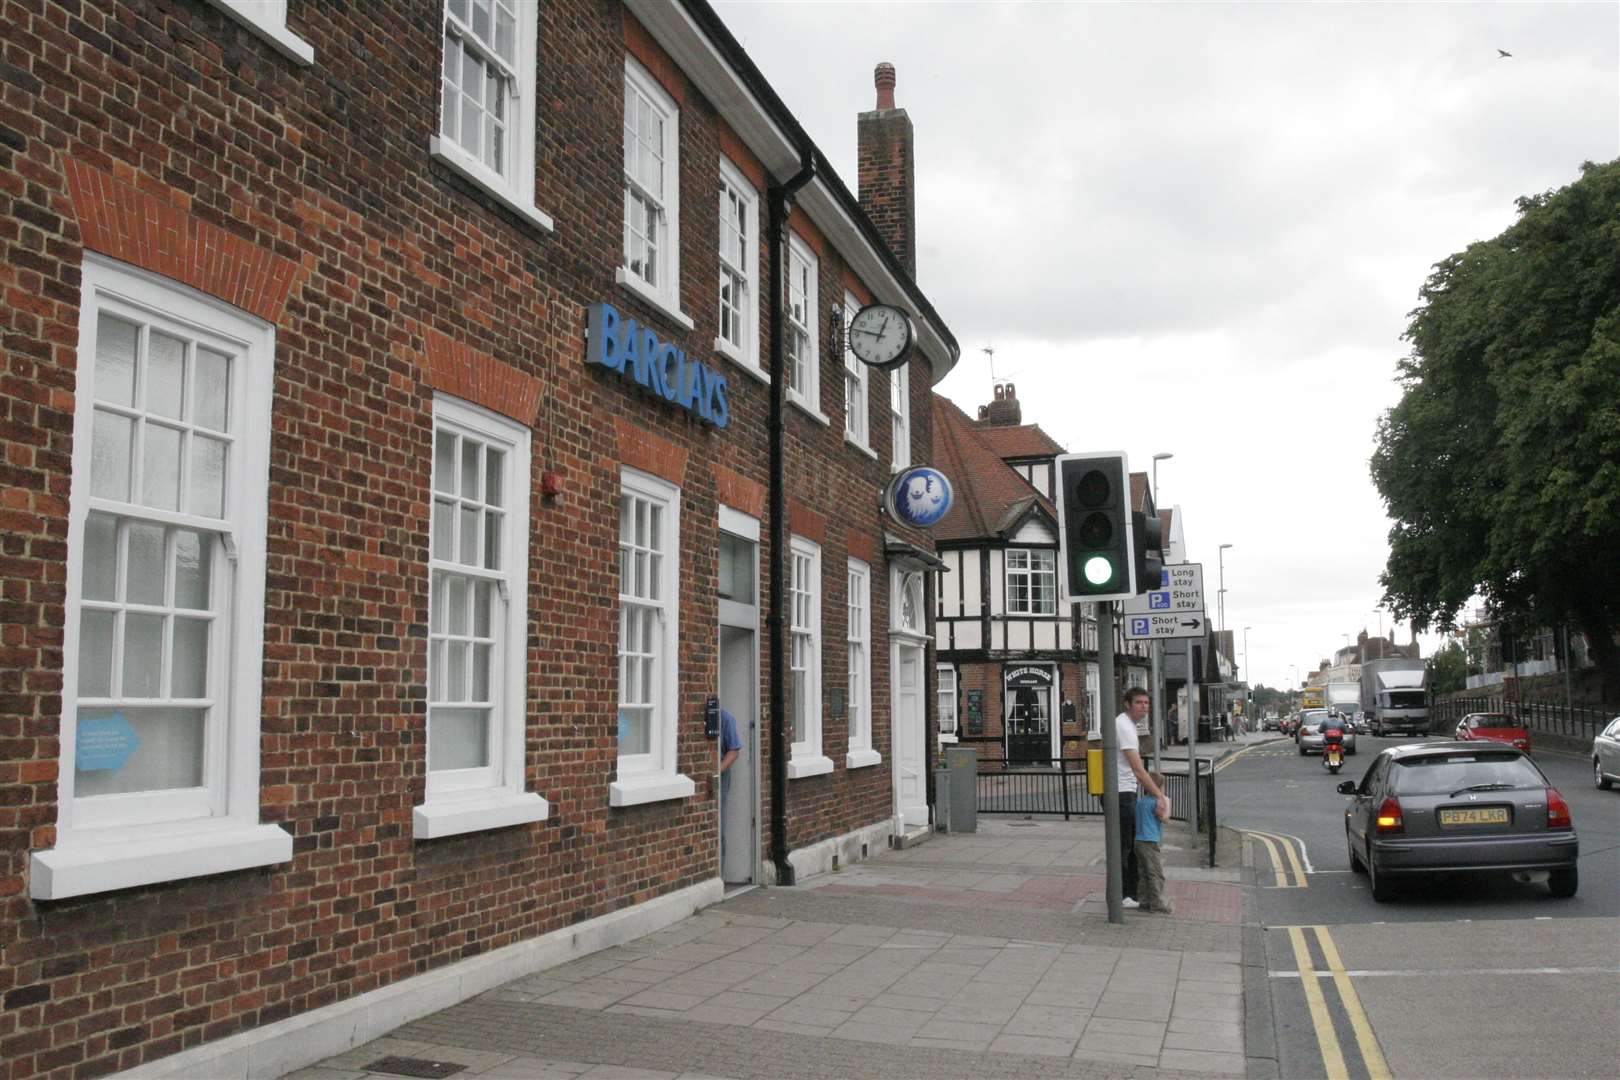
[165,134]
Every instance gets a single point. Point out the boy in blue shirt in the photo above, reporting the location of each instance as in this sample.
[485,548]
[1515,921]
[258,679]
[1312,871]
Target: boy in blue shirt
[1151,812]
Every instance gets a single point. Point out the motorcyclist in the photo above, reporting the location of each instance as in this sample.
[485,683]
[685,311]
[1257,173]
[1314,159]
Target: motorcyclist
[1333,732]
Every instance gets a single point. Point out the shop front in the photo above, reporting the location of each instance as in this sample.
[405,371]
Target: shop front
[1028,725]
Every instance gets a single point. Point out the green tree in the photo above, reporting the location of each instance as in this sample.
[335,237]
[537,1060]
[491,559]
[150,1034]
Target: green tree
[1448,669]
[1500,466]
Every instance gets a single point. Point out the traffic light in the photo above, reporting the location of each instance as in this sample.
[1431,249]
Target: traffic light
[1147,535]
[1094,492]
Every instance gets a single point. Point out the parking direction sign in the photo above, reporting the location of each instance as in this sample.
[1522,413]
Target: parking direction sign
[1175,624]
[1174,610]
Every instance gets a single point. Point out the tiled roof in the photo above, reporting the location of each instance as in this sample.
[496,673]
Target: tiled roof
[990,496]
[1026,440]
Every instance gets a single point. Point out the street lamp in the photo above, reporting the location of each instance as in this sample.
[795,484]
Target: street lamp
[1156,459]
[1220,596]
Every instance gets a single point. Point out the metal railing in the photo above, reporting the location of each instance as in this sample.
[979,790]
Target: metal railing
[1554,718]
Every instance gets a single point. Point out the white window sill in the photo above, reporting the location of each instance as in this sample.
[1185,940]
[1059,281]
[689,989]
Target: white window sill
[798,401]
[648,788]
[450,155]
[862,758]
[285,41]
[947,737]
[850,441]
[814,765]
[82,868]
[729,351]
[476,812]
[647,294]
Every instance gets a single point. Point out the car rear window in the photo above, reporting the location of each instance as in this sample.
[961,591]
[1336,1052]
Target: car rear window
[1443,774]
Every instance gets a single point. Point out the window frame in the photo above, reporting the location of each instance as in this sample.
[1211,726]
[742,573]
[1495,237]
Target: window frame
[654,776]
[268,19]
[858,637]
[492,796]
[900,418]
[734,184]
[665,293]
[857,409]
[941,672]
[808,396]
[516,191]
[1031,573]
[806,757]
[91,854]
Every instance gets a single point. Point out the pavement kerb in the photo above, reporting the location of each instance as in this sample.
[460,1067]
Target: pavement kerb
[1259,1016]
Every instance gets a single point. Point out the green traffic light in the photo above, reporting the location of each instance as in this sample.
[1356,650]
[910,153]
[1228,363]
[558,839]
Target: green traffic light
[1098,570]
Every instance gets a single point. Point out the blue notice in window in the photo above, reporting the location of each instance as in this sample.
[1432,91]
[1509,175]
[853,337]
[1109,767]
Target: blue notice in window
[104,742]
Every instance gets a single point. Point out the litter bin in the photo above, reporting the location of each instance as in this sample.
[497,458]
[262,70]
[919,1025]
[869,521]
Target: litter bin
[1205,734]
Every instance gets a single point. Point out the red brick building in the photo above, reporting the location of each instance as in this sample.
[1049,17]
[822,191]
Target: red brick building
[391,416]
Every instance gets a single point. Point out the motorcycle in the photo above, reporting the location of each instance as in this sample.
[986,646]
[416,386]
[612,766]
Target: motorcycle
[1333,756]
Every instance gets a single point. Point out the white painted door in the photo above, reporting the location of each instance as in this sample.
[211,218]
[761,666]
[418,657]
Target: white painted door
[910,779]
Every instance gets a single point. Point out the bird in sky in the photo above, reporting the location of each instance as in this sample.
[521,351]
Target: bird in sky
[1503,54]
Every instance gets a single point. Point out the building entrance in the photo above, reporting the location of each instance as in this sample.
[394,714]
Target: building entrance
[1028,722]
[739,695]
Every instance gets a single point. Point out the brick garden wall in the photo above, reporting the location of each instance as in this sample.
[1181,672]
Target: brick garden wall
[165,134]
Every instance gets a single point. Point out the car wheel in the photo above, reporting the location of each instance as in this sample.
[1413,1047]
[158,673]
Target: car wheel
[1378,883]
[1563,883]
[1302,750]
[1599,781]
[1351,751]
[1355,860]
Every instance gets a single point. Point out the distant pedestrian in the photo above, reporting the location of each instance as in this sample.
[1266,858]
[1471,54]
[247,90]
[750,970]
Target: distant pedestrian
[1151,813]
[1133,777]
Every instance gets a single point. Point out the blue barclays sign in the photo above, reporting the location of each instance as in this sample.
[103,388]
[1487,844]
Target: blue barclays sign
[624,346]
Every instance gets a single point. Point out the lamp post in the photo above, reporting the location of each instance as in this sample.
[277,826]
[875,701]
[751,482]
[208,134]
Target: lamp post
[1220,596]
[1156,459]
[1248,691]
[1157,651]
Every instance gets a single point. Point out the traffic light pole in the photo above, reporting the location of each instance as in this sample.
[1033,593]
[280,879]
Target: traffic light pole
[1106,707]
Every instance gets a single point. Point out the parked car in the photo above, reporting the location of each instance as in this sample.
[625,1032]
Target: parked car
[1606,756]
[1309,737]
[1439,808]
[1491,725]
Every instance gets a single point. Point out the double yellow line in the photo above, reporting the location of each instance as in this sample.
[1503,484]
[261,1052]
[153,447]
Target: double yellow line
[1283,862]
[1322,1020]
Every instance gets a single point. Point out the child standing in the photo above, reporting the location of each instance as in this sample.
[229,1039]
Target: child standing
[1151,812]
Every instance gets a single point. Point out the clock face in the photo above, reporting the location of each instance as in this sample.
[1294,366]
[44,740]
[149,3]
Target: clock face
[881,335]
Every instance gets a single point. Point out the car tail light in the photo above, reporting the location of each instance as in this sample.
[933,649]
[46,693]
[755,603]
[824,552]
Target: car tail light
[1389,816]
[1558,811]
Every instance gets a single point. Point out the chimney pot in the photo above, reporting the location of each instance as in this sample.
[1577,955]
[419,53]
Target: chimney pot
[883,78]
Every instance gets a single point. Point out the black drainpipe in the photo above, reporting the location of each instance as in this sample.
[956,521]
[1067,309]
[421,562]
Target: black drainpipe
[780,197]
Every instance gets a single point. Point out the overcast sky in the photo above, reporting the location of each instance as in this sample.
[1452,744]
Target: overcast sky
[1198,230]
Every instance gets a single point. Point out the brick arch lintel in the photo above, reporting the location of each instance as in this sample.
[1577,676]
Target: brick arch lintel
[456,368]
[134,226]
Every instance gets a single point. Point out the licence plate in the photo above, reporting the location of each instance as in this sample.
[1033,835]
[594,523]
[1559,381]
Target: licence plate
[1484,815]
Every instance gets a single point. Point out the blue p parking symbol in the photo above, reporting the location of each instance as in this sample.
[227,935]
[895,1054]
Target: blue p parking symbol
[1159,601]
[1139,627]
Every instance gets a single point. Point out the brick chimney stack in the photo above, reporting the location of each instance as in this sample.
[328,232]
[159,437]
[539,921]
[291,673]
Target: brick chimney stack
[886,171]
[1004,411]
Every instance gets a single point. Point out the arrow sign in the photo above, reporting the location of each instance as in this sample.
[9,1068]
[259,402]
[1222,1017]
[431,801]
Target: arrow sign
[1158,625]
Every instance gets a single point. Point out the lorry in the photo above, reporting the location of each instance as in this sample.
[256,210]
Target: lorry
[1343,698]
[1395,696]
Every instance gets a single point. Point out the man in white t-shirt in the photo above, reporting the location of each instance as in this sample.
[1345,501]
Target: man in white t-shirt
[1133,777]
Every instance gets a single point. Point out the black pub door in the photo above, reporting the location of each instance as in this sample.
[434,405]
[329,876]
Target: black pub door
[1029,715]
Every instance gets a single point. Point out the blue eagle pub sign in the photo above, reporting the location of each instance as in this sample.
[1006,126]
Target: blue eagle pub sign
[624,346]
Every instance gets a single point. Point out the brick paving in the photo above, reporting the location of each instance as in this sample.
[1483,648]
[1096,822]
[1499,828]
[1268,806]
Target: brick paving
[970,955]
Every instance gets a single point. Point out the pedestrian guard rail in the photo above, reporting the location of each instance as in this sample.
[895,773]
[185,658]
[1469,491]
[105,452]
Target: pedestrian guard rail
[1574,721]
[1057,787]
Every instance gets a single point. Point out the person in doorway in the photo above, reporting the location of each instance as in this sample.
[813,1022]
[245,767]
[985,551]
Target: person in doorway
[730,747]
[1133,778]
[1151,813]
[1175,725]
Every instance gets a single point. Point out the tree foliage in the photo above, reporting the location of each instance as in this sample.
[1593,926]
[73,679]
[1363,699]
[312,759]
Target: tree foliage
[1500,466]
[1448,669]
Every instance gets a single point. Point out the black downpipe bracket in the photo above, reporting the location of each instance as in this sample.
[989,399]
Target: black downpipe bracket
[780,200]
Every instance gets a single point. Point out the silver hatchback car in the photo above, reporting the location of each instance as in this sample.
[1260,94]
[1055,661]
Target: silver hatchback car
[1440,808]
